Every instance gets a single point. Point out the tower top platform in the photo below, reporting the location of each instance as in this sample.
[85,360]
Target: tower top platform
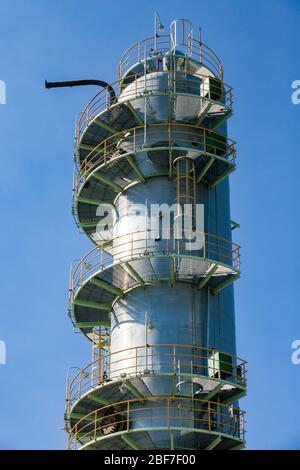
[181,42]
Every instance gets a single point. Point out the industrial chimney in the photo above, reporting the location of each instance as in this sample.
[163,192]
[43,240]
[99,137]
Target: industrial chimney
[155,297]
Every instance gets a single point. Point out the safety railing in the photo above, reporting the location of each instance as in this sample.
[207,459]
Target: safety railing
[177,137]
[162,359]
[174,82]
[158,413]
[137,245]
[156,47]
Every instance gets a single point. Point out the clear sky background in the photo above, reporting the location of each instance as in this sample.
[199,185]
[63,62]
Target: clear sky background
[258,42]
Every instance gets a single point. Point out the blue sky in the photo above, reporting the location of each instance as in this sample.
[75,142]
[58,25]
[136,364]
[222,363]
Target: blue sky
[258,42]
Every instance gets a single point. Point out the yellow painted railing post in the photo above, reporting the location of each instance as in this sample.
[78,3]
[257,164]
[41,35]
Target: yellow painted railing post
[136,360]
[75,436]
[128,415]
[95,425]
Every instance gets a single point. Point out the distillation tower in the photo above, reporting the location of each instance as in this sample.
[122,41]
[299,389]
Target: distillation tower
[158,310]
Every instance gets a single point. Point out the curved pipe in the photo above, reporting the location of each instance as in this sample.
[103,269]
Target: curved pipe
[71,83]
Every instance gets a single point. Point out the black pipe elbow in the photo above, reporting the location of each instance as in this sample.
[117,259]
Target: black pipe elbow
[111,91]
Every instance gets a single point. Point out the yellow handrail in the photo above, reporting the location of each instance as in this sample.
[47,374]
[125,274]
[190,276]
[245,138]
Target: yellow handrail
[102,100]
[125,247]
[190,137]
[199,52]
[140,356]
[200,415]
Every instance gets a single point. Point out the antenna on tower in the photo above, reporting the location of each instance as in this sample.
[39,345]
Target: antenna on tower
[158,27]
[158,24]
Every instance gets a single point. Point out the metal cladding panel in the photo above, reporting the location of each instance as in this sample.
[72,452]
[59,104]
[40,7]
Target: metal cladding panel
[181,315]
[176,315]
[150,95]
[217,209]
